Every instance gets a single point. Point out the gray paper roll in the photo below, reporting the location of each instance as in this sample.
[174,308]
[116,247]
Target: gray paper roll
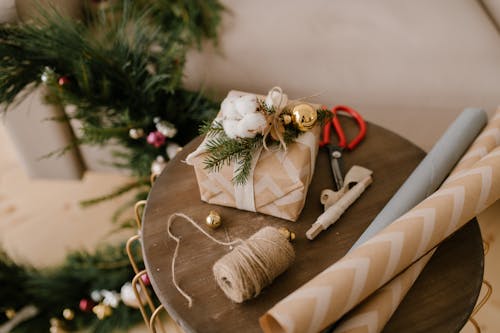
[431,172]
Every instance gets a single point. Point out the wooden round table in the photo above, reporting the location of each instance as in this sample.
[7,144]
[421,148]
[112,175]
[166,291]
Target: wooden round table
[441,300]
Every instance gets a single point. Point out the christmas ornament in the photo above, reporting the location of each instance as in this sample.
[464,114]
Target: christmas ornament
[96,296]
[47,75]
[56,326]
[145,279]
[86,305]
[304,116]
[111,298]
[102,311]
[213,220]
[68,314]
[156,139]
[10,313]
[290,235]
[165,128]
[128,297]
[158,165]
[136,133]
[63,80]
[172,150]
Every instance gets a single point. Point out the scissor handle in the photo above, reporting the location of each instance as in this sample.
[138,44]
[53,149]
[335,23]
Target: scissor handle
[340,132]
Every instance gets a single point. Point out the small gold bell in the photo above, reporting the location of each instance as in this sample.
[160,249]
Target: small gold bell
[10,313]
[304,116]
[287,119]
[213,220]
[68,314]
[102,311]
[289,235]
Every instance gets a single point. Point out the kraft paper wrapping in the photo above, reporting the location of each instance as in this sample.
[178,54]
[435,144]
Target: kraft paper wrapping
[336,290]
[278,184]
[372,315]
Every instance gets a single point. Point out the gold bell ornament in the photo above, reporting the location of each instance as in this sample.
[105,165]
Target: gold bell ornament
[289,235]
[304,116]
[213,220]
[102,311]
[68,314]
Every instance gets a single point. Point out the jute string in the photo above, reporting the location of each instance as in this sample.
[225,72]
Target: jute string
[249,267]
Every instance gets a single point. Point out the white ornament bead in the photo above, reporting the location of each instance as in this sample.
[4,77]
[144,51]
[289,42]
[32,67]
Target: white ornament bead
[166,128]
[158,165]
[136,133]
[96,296]
[128,296]
[111,298]
[172,150]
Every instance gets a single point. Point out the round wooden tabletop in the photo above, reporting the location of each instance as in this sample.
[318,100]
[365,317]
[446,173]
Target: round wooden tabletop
[441,300]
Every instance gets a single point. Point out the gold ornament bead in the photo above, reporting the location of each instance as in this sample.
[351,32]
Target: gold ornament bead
[102,311]
[68,314]
[289,235]
[213,220]
[10,313]
[287,119]
[304,116]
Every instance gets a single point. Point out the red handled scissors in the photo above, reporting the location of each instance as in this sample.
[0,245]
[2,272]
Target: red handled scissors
[335,151]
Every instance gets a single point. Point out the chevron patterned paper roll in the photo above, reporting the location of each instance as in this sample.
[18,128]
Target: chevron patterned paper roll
[373,313]
[336,290]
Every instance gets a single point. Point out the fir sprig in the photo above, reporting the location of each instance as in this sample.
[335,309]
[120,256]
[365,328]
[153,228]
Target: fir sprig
[222,150]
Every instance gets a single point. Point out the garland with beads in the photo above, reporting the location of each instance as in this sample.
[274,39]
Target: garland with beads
[118,72]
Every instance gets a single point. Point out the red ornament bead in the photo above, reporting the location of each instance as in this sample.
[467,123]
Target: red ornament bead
[63,80]
[86,305]
[145,279]
[156,139]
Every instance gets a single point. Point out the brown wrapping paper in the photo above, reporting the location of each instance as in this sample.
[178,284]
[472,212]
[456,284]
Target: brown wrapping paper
[280,179]
[374,312]
[336,290]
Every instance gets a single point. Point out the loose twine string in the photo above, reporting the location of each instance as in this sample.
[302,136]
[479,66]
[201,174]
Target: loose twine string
[248,268]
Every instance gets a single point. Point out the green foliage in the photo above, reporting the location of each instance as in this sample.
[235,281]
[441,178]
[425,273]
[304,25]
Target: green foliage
[117,70]
[52,290]
[121,69]
[223,150]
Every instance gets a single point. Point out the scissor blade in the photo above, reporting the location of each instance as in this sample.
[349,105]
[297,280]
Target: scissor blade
[338,177]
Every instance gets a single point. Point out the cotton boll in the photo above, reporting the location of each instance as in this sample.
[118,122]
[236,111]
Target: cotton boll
[228,109]
[274,97]
[246,104]
[251,124]
[230,128]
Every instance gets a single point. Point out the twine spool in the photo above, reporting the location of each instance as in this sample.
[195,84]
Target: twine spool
[252,264]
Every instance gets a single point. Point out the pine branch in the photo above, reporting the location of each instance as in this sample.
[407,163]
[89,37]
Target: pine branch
[223,150]
[116,193]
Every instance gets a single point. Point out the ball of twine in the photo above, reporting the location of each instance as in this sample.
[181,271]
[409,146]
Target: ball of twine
[253,264]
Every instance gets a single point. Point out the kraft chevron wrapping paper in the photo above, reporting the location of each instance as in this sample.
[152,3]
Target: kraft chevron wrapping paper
[431,171]
[374,312]
[277,184]
[336,290]
[372,315]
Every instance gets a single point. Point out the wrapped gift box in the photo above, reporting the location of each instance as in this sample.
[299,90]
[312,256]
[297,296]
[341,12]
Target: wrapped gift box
[278,182]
